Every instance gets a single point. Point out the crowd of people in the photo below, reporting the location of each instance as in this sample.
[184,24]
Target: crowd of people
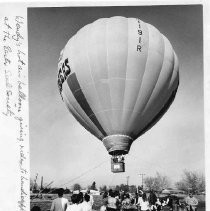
[114,201]
[121,201]
[79,202]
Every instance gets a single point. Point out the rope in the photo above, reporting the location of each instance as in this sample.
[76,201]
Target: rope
[81,175]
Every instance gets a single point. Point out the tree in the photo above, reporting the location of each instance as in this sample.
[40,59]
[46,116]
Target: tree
[33,185]
[117,188]
[149,183]
[93,186]
[103,188]
[157,183]
[124,188]
[132,189]
[163,182]
[191,181]
[76,186]
[67,191]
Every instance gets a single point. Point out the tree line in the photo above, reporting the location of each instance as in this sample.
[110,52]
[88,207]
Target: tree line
[192,181]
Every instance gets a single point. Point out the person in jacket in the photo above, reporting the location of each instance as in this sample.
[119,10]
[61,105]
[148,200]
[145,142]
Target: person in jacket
[191,202]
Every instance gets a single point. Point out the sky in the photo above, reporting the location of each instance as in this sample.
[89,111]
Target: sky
[61,150]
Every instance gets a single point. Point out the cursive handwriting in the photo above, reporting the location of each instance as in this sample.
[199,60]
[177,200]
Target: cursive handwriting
[7,75]
[6,32]
[23,194]
[9,111]
[7,51]
[17,36]
[22,159]
[6,23]
[20,59]
[20,132]
[21,95]
[14,67]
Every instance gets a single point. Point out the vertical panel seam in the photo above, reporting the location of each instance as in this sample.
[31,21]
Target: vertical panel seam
[143,110]
[144,69]
[125,70]
[90,70]
[107,64]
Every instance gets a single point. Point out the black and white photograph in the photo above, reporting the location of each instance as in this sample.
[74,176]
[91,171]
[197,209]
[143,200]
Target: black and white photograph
[115,104]
[116,107]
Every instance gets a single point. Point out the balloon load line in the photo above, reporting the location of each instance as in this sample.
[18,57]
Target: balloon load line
[81,175]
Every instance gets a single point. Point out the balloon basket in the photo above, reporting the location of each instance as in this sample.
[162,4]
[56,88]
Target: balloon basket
[117,165]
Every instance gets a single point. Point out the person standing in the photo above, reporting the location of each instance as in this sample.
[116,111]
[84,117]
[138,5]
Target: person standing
[60,203]
[74,203]
[91,202]
[191,202]
[158,204]
[169,202]
[104,202]
[112,201]
[139,200]
[144,203]
[126,203]
[85,205]
[80,197]
[152,200]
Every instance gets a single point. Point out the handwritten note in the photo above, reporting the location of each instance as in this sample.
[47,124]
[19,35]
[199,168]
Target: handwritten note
[14,95]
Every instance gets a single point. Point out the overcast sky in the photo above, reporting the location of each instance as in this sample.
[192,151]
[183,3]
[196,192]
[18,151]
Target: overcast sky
[61,149]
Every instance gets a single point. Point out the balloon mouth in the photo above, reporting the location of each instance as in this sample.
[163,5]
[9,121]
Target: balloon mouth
[117,144]
[118,152]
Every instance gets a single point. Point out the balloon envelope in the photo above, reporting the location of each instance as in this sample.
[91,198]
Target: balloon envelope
[118,76]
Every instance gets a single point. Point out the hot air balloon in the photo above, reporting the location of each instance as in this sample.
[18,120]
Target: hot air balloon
[118,76]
